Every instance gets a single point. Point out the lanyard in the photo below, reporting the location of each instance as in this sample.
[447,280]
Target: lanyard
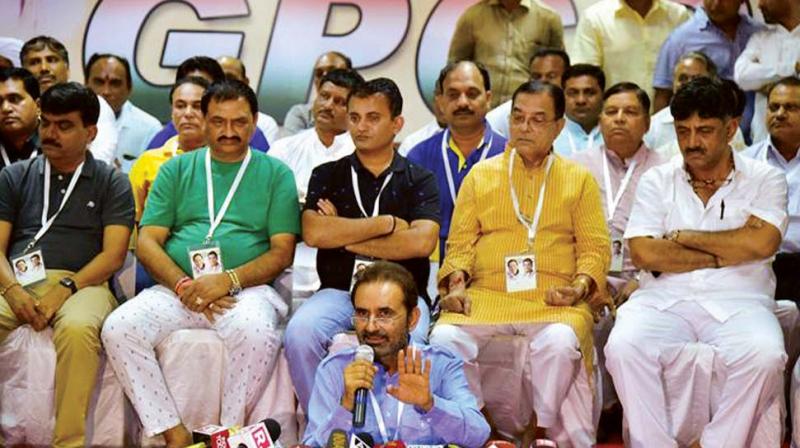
[376,408]
[448,172]
[533,224]
[216,219]
[47,223]
[357,191]
[7,160]
[574,147]
[612,201]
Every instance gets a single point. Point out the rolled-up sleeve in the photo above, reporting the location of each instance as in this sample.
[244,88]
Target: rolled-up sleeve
[649,212]
[771,201]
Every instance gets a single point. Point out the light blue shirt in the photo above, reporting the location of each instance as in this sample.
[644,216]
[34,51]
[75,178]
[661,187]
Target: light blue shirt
[573,139]
[766,151]
[135,128]
[454,418]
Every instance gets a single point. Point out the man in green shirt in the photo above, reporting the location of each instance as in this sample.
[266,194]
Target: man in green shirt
[236,209]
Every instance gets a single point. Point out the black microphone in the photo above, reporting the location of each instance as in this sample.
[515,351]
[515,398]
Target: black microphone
[363,352]
[337,439]
[273,428]
[362,440]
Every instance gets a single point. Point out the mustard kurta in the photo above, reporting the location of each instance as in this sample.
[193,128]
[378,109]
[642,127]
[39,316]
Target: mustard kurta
[572,238]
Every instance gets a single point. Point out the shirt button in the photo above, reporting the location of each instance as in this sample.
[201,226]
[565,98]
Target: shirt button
[60,177]
[63,191]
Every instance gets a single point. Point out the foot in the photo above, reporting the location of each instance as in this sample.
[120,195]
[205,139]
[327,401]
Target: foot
[178,437]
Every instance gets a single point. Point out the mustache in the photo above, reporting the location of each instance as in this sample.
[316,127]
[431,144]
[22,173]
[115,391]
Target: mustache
[694,149]
[229,140]
[463,111]
[50,142]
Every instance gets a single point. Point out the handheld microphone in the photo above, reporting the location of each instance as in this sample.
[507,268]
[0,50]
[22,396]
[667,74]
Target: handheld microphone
[361,440]
[337,439]
[213,436]
[263,434]
[363,352]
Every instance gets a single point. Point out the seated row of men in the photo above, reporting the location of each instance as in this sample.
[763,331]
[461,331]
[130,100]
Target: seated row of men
[711,215]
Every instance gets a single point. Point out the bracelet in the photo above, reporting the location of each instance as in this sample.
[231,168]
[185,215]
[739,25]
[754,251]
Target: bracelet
[7,288]
[581,281]
[236,286]
[183,280]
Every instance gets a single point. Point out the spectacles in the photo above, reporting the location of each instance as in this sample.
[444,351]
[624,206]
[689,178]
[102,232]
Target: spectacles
[535,121]
[381,321]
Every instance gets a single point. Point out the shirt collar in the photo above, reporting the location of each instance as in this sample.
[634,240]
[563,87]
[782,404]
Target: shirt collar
[398,164]
[772,151]
[623,6]
[575,128]
[740,167]
[89,165]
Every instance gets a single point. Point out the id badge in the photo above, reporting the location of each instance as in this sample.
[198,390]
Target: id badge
[206,259]
[359,266]
[29,267]
[520,272]
[617,253]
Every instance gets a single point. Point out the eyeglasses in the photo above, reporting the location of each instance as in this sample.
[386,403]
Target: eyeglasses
[382,321]
[535,121]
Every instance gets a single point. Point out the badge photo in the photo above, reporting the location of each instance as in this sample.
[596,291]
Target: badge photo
[206,259]
[359,266]
[617,254]
[520,272]
[29,268]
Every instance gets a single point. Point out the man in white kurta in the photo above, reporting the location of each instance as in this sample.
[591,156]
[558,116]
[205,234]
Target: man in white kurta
[704,229]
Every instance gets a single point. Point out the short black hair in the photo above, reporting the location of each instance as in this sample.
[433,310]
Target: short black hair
[623,87]
[487,84]
[41,42]
[202,63]
[548,51]
[789,81]
[227,90]
[706,97]
[70,97]
[387,271]
[347,62]
[578,70]
[196,80]
[739,97]
[98,56]
[346,78]
[23,75]
[382,86]
[535,87]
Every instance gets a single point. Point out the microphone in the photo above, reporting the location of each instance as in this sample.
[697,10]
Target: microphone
[263,434]
[337,439]
[363,352]
[393,444]
[213,436]
[362,439]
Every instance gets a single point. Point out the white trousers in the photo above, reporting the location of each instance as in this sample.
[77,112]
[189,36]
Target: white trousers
[645,339]
[554,360]
[132,332]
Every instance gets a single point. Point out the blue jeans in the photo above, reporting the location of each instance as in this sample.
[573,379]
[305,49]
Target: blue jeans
[324,315]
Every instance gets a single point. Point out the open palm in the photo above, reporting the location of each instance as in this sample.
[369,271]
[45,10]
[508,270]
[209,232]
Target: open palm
[413,384]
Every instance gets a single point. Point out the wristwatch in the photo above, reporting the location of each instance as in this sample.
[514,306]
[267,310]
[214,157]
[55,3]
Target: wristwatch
[69,283]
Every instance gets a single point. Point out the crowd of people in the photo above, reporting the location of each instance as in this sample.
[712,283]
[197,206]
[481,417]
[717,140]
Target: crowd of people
[618,201]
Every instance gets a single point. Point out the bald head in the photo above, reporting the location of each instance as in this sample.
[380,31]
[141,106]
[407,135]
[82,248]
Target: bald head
[233,68]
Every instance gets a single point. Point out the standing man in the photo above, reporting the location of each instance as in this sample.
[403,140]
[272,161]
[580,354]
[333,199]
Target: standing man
[109,76]
[234,69]
[623,37]
[19,115]
[503,35]
[76,214]
[372,205]
[703,228]
[425,383]
[467,140]
[780,151]
[583,92]
[771,54]
[240,204]
[546,65]
[528,204]
[47,59]
[301,116]
[716,29]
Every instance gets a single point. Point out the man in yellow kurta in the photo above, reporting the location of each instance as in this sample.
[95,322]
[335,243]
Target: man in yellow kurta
[533,209]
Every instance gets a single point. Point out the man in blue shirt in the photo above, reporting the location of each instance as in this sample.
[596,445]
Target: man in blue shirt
[468,138]
[718,30]
[417,394]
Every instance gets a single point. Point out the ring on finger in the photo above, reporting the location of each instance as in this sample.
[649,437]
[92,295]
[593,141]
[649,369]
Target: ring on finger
[198,301]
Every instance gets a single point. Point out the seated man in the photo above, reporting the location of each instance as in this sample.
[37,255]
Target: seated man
[467,140]
[79,232]
[421,385]
[704,229]
[19,116]
[370,205]
[234,69]
[780,150]
[248,217]
[528,204]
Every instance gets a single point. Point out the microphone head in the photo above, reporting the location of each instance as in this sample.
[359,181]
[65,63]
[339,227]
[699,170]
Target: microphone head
[365,437]
[365,352]
[273,428]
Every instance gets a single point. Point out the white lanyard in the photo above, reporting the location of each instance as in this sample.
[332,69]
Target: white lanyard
[448,172]
[376,408]
[216,219]
[357,192]
[47,223]
[612,201]
[7,160]
[574,147]
[532,225]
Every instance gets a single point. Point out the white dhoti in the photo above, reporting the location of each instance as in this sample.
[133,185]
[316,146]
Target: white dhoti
[645,339]
[554,364]
[131,333]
